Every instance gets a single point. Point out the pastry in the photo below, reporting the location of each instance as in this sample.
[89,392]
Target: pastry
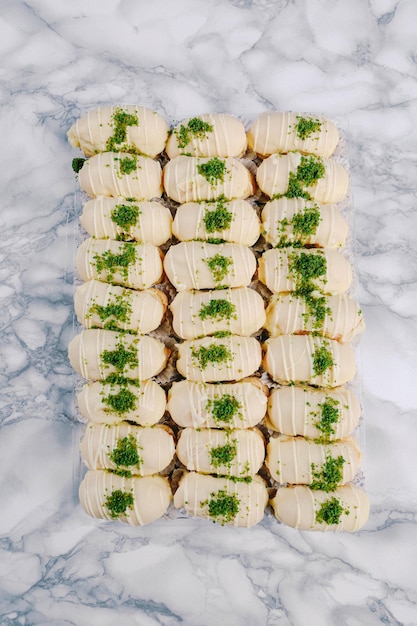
[234,221]
[346,509]
[297,461]
[225,405]
[238,453]
[214,359]
[135,265]
[119,218]
[128,128]
[97,354]
[304,270]
[142,402]
[310,177]
[190,179]
[240,311]
[325,414]
[276,131]
[337,317]
[208,135]
[101,305]
[222,500]
[287,221]
[314,360]
[121,174]
[137,500]
[126,449]
[201,265]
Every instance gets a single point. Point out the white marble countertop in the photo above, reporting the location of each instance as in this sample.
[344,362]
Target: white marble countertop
[355,62]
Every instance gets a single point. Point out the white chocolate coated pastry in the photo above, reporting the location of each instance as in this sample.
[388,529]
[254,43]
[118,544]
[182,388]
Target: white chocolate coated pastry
[132,264]
[276,131]
[235,222]
[222,500]
[288,220]
[121,174]
[289,314]
[95,354]
[183,181]
[142,402]
[118,218]
[237,453]
[201,265]
[313,360]
[127,448]
[138,500]
[215,359]
[326,415]
[101,305]
[273,177]
[297,461]
[209,135]
[226,405]
[240,311]
[93,131]
[346,509]
[283,269]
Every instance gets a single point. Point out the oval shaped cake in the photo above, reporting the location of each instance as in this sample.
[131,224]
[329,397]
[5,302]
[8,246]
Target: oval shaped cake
[121,174]
[208,135]
[127,127]
[138,500]
[225,405]
[119,218]
[234,221]
[192,179]
[279,131]
[240,311]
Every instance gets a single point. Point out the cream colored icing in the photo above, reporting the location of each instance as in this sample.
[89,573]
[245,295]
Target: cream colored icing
[296,460]
[154,446]
[275,270]
[273,178]
[298,411]
[226,139]
[197,490]
[189,312]
[190,222]
[276,131]
[151,496]
[194,404]
[187,265]
[92,131]
[298,506]
[149,402]
[144,270]
[290,359]
[196,449]
[183,183]
[278,224]
[288,314]
[87,354]
[243,358]
[144,309]
[100,175]
[153,225]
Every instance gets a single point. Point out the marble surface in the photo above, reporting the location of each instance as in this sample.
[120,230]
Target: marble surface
[354,61]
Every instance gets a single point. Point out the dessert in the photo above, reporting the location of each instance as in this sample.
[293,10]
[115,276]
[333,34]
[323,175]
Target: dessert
[201,265]
[119,218]
[234,221]
[224,405]
[208,135]
[240,311]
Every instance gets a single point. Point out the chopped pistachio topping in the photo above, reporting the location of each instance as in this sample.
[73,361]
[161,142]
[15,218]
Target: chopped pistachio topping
[117,310]
[120,358]
[223,455]
[330,511]
[126,452]
[224,409]
[219,266]
[109,262]
[309,171]
[222,507]
[219,219]
[196,128]
[305,269]
[322,360]
[125,215]
[215,353]
[121,120]
[218,309]
[330,415]
[213,171]
[118,501]
[307,126]
[121,402]
[330,475]
[128,164]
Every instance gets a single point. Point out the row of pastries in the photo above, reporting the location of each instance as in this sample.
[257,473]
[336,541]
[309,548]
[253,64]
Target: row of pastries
[217,314]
